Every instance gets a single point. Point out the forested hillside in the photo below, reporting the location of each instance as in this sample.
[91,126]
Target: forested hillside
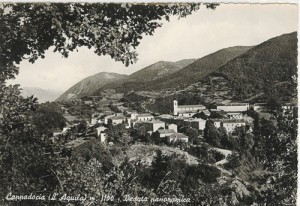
[150,73]
[269,68]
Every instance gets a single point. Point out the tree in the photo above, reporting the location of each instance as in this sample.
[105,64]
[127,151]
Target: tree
[26,32]
[211,134]
[281,161]
[193,134]
[48,118]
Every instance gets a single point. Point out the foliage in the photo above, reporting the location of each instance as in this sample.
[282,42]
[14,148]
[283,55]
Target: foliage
[113,29]
[193,134]
[47,118]
[233,161]
[217,155]
[24,164]
[118,134]
[280,155]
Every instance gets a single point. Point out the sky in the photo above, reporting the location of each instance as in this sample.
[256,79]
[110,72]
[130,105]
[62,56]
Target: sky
[195,36]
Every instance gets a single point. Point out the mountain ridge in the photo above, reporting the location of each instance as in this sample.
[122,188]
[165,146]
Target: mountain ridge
[89,85]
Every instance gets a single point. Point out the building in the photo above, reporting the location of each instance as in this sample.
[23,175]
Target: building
[231,124]
[117,120]
[178,137]
[151,125]
[103,137]
[198,124]
[234,115]
[107,118]
[100,130]
[186,109]
[233,107]
[172,126]
[165,132]
[133,115]
[144,117]
[186,113]
[259,106]
[165,116]
[217,122]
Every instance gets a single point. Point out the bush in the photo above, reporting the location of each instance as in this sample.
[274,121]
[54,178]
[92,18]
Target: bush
[218,156]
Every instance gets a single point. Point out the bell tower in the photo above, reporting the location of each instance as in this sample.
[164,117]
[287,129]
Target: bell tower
[175,107]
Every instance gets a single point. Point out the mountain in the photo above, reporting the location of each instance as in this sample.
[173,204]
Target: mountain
[90,84]
[198,69]
[190,72]
[148,74]
[269,68]
[42,94]
[159,69]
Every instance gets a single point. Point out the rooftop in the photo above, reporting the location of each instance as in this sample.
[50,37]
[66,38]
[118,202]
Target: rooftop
[233,121]
[118,117]
[178,136]
[166,116]
[153,121]
[145,115]
[215,120]
[198,120]
[182,106]
[234,104]
[166,131]
[186,112]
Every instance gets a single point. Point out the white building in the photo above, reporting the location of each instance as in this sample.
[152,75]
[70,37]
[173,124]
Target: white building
[165,132]
[235,115]
[103,137]
[151,125]
[144,117]
[185,109]
[259,106]
[231,124]
[100,130]
[233,107]
[217,122]
[186,113]
[198,123]
[172,126]
[107,118]
[117,120]
[133,115]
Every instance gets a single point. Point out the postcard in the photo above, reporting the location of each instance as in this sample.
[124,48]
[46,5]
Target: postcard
[143,103]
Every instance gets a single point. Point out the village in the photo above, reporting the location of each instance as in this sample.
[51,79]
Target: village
[185,126]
